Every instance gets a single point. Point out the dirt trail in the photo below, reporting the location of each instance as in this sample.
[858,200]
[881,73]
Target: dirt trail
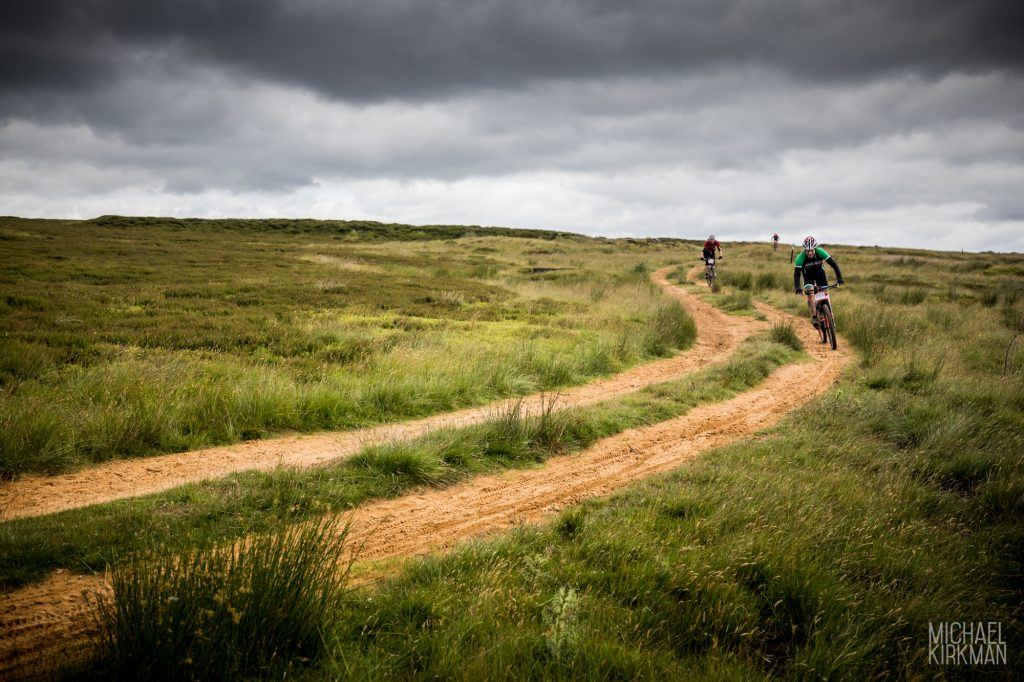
[46,621]
[434,520]
[718,336]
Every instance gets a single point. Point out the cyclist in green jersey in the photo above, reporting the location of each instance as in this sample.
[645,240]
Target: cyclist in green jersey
[811,264]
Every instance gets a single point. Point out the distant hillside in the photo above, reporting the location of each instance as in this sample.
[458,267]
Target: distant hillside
[363,230]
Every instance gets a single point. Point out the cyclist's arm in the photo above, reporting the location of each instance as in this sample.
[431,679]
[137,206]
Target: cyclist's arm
[835,266]
[798,267]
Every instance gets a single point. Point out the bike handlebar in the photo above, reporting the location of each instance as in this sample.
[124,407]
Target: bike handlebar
[820,288]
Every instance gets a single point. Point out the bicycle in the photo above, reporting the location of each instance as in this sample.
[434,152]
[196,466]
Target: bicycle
[818,296]
[709,272]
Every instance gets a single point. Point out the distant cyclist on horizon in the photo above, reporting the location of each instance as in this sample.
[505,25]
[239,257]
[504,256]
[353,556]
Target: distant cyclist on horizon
[709,248]
[811,264]
[775,241]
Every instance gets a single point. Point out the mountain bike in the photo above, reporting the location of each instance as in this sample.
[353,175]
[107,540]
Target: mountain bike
[709,272]
[817,296]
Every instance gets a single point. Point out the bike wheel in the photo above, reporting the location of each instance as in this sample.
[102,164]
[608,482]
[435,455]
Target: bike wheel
[830,325]
[822,332]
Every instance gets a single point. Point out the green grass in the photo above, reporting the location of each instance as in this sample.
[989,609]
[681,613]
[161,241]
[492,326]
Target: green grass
[745,280]
[93,538]
[791,557]
[737,299]
[734,301]
[784,333]
[220,612]
[131,337]
[822,550]
[351,230]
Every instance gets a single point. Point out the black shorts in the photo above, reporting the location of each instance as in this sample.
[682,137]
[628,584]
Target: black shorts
[709,253]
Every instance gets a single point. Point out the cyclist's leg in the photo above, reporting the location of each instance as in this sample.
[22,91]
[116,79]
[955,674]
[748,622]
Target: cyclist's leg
[810,301]
[822,281]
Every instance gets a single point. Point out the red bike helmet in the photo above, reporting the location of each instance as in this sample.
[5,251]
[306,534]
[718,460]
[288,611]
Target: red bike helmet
[810,243]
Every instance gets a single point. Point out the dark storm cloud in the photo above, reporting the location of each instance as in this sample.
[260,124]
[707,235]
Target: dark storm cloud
[884,121]
[373,49]
[195,135]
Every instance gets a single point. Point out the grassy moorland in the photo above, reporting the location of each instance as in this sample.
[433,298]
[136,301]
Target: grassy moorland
[822,550]
[124,337]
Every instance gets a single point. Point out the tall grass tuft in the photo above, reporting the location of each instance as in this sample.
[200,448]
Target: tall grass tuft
[745,280]
[223,612]
[783,332]
[670,327]
[740,279]
[737,301]
[772,280]
[910,296]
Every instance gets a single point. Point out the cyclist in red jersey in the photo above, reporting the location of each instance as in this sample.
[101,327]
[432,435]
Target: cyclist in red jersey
[709,248]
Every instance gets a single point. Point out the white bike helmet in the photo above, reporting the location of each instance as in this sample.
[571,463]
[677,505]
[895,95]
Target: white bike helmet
[711,237]
[810,243]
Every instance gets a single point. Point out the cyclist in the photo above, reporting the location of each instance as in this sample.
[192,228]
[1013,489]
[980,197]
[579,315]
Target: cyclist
[811,264]
[775,241]
[709,248]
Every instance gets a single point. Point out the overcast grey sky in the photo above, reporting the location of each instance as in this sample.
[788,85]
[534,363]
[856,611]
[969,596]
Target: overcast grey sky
[860,121]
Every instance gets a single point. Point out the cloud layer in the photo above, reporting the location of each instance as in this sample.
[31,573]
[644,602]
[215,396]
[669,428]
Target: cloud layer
[870,122]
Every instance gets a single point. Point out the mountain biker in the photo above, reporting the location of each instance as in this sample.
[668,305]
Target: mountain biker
[709,248]
[811,264]
[775,240]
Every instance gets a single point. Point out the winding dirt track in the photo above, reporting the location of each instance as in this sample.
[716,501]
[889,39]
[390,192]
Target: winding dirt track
[46,621]
[718,336]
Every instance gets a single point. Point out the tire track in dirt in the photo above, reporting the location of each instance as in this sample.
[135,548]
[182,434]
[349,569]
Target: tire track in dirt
[47,621]
[717,336]
[427,522]
[44,626]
